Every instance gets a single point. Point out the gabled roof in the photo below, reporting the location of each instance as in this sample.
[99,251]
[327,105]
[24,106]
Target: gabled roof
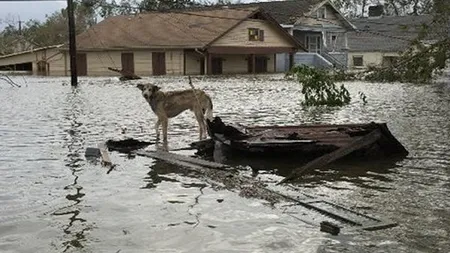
[284,12]
[385,34]
[190,28]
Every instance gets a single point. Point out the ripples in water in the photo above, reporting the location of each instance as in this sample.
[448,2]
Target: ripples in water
[53,200]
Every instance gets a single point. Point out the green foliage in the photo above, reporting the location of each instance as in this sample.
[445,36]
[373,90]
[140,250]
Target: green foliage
[52,31]
[318,87]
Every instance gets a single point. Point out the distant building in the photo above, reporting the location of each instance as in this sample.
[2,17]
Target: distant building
[379,39]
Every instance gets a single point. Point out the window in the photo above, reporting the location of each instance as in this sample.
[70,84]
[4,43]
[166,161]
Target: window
[313,43]
[322,13]
[333,41]
[255,34]
[358,61]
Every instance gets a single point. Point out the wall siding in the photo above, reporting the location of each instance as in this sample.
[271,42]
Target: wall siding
[193,63]
[142,63]
[369,58]
[59,64]
[98,63]
[174,62]
[239,36]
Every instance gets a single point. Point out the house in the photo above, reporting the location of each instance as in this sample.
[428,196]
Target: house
[380,39]
[182,42]
[36,61]
[317,24]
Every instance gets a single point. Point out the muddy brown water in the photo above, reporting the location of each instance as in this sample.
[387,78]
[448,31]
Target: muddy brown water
[54,200]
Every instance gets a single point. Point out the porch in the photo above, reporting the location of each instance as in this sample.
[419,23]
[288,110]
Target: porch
[325,49]
[234,60]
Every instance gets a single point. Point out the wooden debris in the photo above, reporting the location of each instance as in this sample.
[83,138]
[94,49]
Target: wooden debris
[171,157]
[106,161]
[335,155]
[125,74]
[92,152]
[302,141]
[326,226]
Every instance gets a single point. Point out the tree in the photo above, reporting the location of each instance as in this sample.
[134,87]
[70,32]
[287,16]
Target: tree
[427,55]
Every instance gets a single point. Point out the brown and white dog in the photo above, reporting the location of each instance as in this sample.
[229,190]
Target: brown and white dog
[171,103]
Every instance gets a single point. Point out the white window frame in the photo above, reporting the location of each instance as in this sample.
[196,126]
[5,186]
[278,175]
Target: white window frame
[321,10]
[362,61]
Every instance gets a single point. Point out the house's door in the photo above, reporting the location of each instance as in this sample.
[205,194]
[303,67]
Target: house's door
[216,66]
[128,62]
[81,64]
[314,43]
[260,64]
[42,67]
[159,63]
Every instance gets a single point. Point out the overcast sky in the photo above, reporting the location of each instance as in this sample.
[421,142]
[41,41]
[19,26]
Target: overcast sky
[20,10]
[27,10]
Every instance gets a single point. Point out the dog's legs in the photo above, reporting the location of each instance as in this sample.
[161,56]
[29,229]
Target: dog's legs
[165,124]
[201,125]
[157,124]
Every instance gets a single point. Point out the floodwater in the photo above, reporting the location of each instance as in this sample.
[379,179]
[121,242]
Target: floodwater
[53,200]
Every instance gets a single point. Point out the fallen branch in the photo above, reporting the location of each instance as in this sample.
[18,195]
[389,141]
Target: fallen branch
[8,80]
[126,75]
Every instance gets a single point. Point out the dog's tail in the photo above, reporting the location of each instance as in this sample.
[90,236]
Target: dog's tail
[209,109]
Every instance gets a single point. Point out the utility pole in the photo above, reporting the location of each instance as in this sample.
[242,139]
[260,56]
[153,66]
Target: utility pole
[20,26]
[72,44]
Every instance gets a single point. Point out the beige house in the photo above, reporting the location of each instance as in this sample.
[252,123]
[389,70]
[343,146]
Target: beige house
[381,39]
[188,42]
[36,61]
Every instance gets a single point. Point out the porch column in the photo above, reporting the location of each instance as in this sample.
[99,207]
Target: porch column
[291,60]
[253,59]
[208,64]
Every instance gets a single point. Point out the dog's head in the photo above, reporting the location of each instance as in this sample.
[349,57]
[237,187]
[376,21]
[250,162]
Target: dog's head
[148,90]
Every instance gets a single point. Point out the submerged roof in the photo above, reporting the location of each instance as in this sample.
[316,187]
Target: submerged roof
[385,34]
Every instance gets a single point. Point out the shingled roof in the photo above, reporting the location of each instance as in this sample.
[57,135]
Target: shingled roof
[284,12]
[178,29]
[385,34]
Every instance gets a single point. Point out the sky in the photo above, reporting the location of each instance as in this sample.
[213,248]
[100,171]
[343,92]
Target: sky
[25,11]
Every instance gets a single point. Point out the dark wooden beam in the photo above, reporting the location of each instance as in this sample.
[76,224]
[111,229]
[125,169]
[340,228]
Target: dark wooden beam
[253,59]
[184,62]
[250,50]
[291,60]
[209,63]
[274,63]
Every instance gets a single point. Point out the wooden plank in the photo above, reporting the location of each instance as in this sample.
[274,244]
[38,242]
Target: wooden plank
[335,155]
[338,212]
[176,157]
[105,156]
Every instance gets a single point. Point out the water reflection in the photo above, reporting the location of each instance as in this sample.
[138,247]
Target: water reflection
[161,171]
[74,142]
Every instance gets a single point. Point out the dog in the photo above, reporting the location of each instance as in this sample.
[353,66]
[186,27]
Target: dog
[171,103]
